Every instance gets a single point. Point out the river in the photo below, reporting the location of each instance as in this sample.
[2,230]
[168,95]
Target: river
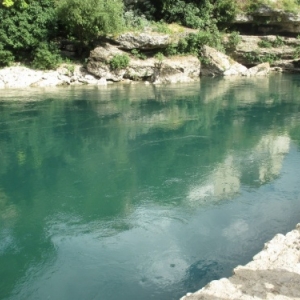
[143,192]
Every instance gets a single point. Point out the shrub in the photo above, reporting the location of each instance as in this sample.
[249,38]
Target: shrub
[138,54]
[119,61]
[264,44]
[233,40]
[296,54]
[159,56]
[161,27]
[195,41]
[134,21]
[279,41]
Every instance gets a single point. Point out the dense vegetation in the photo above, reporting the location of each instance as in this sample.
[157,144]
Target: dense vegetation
[31,30]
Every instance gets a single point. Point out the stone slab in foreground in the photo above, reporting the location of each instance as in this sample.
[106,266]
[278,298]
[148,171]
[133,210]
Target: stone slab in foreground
[274,273]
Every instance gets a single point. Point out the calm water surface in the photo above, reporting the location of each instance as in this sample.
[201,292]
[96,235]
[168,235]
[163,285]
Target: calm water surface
[143,192]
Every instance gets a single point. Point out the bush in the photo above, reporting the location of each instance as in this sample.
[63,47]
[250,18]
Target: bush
[134,21]
[46,57]
[195,41]
[119,61]
[233,40]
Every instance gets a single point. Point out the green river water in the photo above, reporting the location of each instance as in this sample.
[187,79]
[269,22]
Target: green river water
[143,192]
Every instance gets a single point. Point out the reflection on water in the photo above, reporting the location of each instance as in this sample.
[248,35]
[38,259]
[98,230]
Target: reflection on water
[133,191]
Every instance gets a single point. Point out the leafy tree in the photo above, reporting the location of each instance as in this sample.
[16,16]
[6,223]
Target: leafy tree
[86,20]
[24,27]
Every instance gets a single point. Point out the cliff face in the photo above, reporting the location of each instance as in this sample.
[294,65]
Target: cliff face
[267,20]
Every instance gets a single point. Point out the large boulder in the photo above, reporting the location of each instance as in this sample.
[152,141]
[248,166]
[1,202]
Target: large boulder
[259,70]
[218,63]
[98,64]
[140,69]
[176,69]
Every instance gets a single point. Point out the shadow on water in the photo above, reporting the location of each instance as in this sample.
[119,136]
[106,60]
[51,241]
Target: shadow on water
[84,161]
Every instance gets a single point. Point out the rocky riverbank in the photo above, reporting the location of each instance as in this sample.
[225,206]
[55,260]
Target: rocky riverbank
[274,273]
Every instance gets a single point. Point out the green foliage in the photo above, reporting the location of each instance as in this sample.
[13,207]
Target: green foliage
[264,44]
[159,56]
[86,20]
[233,40]
[195,14]
[46,57]
[254,57]
[119,61]
[296,54]
[136,53]
[22,28]
[134,21]
[286,5]
[270,58]
[6,57]
[193,43]
[161,27]
[278,42]
[172,49]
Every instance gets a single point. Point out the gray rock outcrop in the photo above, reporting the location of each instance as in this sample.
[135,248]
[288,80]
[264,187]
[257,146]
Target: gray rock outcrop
[218,63]
[143,40]
[255,49]
[274,273]
[177,69]
[167,70]
[268,20]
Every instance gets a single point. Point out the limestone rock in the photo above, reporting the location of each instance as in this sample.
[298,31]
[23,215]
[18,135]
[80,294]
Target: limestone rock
[19,77]
[266,20]
[177,69]
[98,64]
[250,49]
[219,64]
[173,69]
[274,273]
[143,40]
[259,70]
[2,84]
[104,53]
[22,77]
[140,69]
[50,79]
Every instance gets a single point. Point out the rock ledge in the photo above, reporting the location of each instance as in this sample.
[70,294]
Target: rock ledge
[274,273]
